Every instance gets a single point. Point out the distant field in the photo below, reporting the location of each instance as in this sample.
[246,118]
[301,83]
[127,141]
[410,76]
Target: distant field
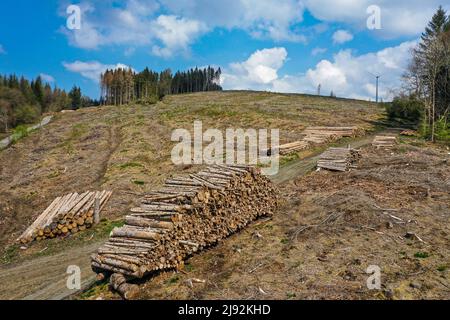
[127,149]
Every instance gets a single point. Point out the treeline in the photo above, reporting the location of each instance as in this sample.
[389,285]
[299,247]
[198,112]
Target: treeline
[122,86]
[23,101]
[427,81]
[196,80]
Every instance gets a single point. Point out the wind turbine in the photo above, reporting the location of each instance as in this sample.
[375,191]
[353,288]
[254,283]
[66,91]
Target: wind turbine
[377,77]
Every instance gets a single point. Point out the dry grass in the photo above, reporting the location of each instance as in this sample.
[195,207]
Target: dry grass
[127,149]
[329,230]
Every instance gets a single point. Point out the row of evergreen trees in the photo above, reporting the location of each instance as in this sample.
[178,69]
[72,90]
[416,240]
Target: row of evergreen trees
[122,86]
[23,101]
[196,80]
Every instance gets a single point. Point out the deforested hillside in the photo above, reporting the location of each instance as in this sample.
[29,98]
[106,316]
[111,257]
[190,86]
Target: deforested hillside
[126,149]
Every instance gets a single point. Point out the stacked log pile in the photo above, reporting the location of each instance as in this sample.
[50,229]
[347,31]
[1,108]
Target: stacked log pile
[409,133]
[186,215]
[316,135]
[338,159]
[66,215]
[384,141]
[289,148]
[320,135]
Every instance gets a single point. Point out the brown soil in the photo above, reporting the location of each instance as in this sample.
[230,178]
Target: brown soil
[127,150]
[45,278]
[331,227]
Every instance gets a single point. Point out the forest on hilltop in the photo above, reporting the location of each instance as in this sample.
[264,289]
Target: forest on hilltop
[122,86]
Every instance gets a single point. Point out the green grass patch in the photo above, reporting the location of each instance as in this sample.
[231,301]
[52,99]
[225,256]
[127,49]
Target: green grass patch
[105,227]
[188,267]
[290,295]
[20,132]
[131,165]
[288,158]
[9,254]
[54,174]
[78,131]
[173,280]
[421,255]
[442,268]
[215,111]
[94,291]
[139,182]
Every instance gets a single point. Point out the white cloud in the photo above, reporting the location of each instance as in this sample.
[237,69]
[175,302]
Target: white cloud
[328,74]
[317,51]
[257,72]
[88,37]
[347,75]
[91,69]
[169,26]
[275,18]
[134,24]
[271,19]
[2,50]
[176,34]
[398,18]
[342,36]
[47,78]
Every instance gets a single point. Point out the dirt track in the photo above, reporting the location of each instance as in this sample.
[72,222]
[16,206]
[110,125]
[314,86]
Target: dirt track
[45,278]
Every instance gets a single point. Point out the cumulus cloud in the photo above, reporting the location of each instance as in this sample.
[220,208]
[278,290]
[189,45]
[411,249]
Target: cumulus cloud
[176,34]
[134,24]
[342,36]
[257,72]
[47,78]
[91,69]
[347,75]
[350,75]
[2,50]
[328,74]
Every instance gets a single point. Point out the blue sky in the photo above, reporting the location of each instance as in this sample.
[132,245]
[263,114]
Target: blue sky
[285,46]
